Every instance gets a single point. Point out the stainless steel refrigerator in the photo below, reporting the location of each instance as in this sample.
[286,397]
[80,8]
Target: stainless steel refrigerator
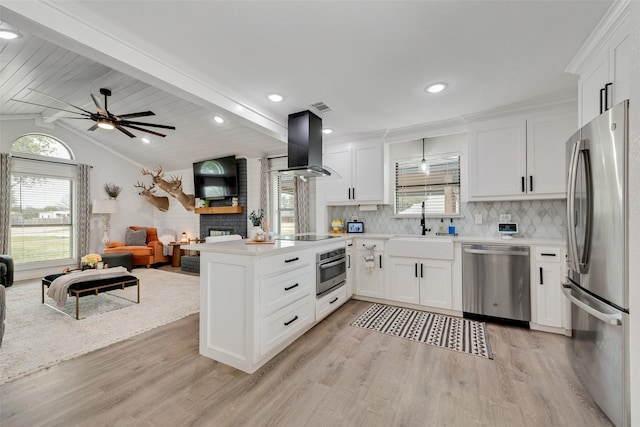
[597,260]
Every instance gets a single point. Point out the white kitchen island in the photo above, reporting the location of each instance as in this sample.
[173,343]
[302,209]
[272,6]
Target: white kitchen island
[256,299]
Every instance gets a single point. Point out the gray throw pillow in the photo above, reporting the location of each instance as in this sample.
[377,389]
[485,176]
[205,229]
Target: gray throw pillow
[136,238]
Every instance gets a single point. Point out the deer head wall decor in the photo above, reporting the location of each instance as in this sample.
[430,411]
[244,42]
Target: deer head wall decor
[160,202]
[173,187]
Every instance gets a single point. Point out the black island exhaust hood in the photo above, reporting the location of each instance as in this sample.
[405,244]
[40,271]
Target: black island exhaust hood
[305,145]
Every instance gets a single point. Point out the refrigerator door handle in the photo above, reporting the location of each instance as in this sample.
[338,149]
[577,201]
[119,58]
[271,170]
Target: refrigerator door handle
[580,263]
[612,319]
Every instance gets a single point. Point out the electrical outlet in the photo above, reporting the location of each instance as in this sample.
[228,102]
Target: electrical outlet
[478,218]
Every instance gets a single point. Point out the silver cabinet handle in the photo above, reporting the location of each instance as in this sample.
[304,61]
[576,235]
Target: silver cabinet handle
[612,319]
[490,252]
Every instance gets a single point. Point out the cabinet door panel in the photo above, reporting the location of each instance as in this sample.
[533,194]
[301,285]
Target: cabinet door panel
[546,154]
[337,187]
[368,173]
[497,158]
[436,285]
[549,295]
[591,81]
[620,68]
[403,284]
[369,283]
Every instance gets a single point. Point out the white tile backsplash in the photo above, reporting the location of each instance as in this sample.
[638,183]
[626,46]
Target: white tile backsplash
[538,219]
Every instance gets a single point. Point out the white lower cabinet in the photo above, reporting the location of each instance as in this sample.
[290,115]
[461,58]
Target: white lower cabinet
[549,304]
[251,307]
[420,281]
[369,267]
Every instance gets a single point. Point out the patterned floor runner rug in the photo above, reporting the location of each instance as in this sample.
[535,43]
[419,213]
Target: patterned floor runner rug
[454,333]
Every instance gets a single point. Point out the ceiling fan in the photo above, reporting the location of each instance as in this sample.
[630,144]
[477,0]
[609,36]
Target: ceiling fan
[103,118]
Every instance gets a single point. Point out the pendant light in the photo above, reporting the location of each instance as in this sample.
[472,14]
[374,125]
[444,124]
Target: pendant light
[424,166]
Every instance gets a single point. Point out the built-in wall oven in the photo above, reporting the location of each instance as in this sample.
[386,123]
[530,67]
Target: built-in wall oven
[331,270]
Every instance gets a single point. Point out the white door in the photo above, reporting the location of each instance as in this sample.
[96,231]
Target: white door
[368,173]
[338,187]
[369,281]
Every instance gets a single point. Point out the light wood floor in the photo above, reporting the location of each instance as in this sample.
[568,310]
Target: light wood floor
[335,375]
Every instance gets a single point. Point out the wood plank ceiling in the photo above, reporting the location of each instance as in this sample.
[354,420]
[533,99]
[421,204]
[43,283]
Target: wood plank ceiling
[31,63]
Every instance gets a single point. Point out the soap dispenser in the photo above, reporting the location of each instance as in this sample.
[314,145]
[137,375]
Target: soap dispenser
[452,228]
[441,229]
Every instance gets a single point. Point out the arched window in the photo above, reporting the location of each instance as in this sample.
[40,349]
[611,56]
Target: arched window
[42,145]
[42,202]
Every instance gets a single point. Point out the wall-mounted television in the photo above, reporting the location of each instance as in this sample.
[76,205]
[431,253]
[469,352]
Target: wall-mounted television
[216,179]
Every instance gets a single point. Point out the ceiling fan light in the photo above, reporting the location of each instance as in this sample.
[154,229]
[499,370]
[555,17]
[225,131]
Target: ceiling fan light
[105,124]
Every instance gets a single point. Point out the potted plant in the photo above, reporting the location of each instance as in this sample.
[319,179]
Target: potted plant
[256,220]
[112,190]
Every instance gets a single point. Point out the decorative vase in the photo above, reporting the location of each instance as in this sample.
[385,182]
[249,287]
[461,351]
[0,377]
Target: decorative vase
[256,231]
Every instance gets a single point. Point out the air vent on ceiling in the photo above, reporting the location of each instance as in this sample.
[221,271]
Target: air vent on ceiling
[321,107]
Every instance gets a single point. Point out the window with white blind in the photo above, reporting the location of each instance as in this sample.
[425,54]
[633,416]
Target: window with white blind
[438,186]
[282,200]
[42,202]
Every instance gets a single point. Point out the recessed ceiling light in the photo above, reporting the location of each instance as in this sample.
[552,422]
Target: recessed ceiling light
[145,140]
[218,119]
[8,34]
[274,97]
[436,87]
[327,131]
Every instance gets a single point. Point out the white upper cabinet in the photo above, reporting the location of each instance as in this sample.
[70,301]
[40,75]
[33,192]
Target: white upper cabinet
[603,64]
[519,157]
[360,167]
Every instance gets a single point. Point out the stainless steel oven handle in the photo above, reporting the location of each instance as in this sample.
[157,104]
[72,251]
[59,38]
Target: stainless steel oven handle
[332,264]
[612,319]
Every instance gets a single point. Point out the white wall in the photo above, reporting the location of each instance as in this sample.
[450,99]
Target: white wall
[177,217]
[108,166]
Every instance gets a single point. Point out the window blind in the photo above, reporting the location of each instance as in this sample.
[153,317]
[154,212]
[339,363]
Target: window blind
[438,187]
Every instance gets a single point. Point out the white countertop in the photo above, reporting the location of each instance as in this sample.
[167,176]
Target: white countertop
[242,247]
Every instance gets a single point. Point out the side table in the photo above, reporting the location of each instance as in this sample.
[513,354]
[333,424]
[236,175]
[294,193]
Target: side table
[175,258]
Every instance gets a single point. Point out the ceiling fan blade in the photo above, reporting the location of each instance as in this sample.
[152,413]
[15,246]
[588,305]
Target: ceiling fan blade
[99,106]
[143,130]
[60,100]
[128,122]
[94,127]
[126,132]
[53,108]
[134,115]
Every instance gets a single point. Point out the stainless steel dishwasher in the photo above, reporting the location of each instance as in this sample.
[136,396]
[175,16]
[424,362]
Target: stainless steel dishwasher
[495,282]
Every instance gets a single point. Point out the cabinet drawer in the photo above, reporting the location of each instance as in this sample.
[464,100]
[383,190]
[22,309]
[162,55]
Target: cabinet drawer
[330,302]
[284,323]
[278,291]
[283,262]
[549,254]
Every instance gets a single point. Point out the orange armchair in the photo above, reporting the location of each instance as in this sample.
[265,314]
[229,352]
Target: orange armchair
[142,255]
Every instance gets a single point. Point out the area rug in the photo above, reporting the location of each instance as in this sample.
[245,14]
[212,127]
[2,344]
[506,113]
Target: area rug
[454,333]
[37,336]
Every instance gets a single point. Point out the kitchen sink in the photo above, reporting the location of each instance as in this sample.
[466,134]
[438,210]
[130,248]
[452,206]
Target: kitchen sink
[421,247]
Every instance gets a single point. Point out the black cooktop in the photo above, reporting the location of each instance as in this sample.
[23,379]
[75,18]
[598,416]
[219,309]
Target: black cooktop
[306,238]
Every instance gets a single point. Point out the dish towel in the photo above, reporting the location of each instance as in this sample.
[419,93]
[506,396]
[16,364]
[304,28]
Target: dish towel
[369,263]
